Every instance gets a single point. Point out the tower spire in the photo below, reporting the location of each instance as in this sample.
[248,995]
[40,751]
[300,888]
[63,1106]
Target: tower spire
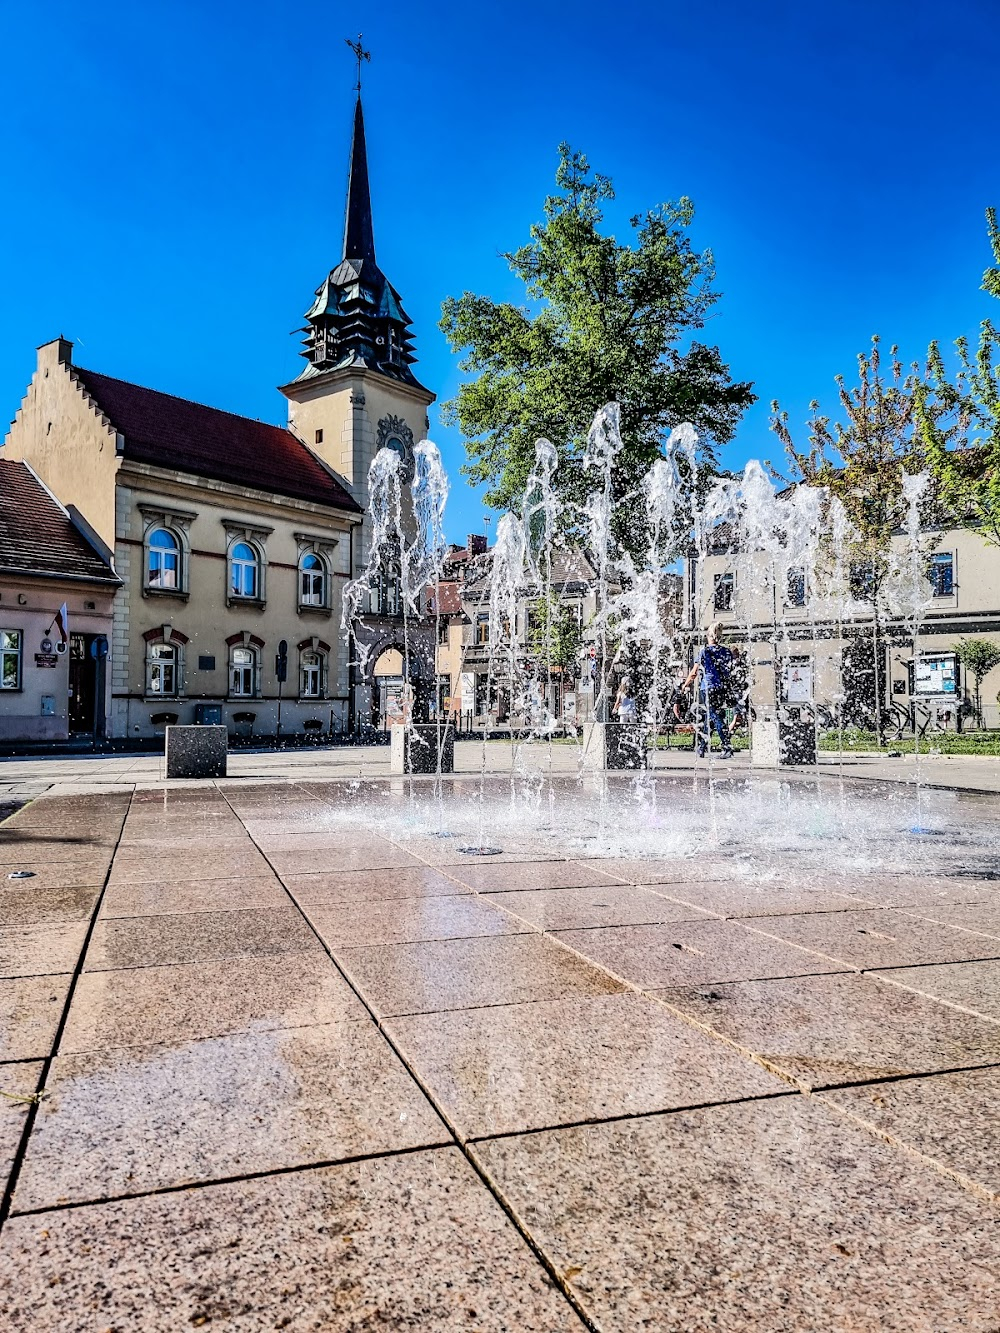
[359,236]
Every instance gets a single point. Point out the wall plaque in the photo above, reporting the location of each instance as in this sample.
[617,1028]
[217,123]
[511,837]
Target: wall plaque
[46,660]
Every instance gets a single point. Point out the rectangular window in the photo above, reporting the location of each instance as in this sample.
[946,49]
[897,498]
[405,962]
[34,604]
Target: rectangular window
[941,572]
[725,588]
[162,669]
[482,627]
[241,673]
[795,594]
[10,659]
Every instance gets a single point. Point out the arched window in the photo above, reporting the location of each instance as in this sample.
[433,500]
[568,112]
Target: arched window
[162,674]
[163,560]
[244,571]
[243,673]
[312,581]
[311,672]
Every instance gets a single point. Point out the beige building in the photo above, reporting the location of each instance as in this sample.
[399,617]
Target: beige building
[822,636]
[57,587]
[233,539]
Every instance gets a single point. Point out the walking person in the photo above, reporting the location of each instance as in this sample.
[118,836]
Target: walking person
[711,677]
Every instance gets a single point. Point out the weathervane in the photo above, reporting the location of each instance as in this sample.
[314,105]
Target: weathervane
[360,54]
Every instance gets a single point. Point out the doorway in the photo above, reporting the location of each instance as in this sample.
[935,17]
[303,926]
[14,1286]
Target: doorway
[82,683]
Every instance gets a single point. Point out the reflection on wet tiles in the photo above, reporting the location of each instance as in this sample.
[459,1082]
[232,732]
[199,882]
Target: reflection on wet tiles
[139,1118]
[459,974]
[204,999]
[508,1068]
[347,925]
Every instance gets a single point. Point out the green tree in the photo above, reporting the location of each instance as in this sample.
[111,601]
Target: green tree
[960,418]
[862,460]
[978,657]
[604,321]
[555,634]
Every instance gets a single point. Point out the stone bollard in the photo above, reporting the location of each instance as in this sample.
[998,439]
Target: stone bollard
[614,745]
[415,749]
[196,752]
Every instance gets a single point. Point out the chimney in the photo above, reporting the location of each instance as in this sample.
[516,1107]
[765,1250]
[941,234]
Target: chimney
[58,352]
[475,543]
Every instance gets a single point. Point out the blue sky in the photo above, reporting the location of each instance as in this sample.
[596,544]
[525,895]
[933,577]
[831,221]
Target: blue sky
[174,175]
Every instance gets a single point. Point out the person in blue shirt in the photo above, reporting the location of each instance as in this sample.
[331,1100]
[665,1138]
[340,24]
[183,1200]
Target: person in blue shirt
[710,676]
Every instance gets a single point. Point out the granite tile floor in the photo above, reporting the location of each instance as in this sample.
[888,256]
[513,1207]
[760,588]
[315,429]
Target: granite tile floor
[272,1055]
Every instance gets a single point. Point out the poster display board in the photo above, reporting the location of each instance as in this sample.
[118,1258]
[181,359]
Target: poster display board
[935,673]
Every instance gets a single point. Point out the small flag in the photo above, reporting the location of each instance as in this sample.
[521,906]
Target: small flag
[62,622]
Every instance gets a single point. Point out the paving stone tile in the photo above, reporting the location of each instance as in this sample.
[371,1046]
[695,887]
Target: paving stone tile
[408,1242]
[775,1214]
[951,1119]
[461,974]
[880,938]
[367,853]
[983,918]
[31,906]
[602,905]
[692,952]
[486,877]
[514,1067]
[30,1009]
[371,886]
[971,986]
[207,863]
[750,900]
[407,920]
[148,941]
[138,1118]
[60,875]
[680,870]
[173,896]
[204,999]
[29,951]
[16,1081]
[919,892]
[56,851]
[448,851]
[843,1028]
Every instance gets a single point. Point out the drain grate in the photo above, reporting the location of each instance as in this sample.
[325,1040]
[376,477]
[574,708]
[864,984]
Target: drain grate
[481,851]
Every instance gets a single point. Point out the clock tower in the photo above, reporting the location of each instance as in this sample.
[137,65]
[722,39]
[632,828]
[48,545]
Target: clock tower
[357,393]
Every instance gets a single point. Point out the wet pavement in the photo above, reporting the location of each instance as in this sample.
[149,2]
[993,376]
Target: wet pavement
[278,1055]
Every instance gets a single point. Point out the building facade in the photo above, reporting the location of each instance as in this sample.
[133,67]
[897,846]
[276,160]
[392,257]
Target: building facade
[233,539]
[826,653]
[57,589]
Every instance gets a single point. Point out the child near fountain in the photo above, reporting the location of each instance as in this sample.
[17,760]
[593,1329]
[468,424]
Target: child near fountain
[712,672]
[625,705]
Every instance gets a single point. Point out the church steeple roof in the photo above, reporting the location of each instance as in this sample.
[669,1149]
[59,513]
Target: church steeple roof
[357,318]
[359,235]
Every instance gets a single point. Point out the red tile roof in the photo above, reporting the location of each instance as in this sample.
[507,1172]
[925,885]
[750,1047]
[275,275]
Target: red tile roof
[37,536]
[175,433]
